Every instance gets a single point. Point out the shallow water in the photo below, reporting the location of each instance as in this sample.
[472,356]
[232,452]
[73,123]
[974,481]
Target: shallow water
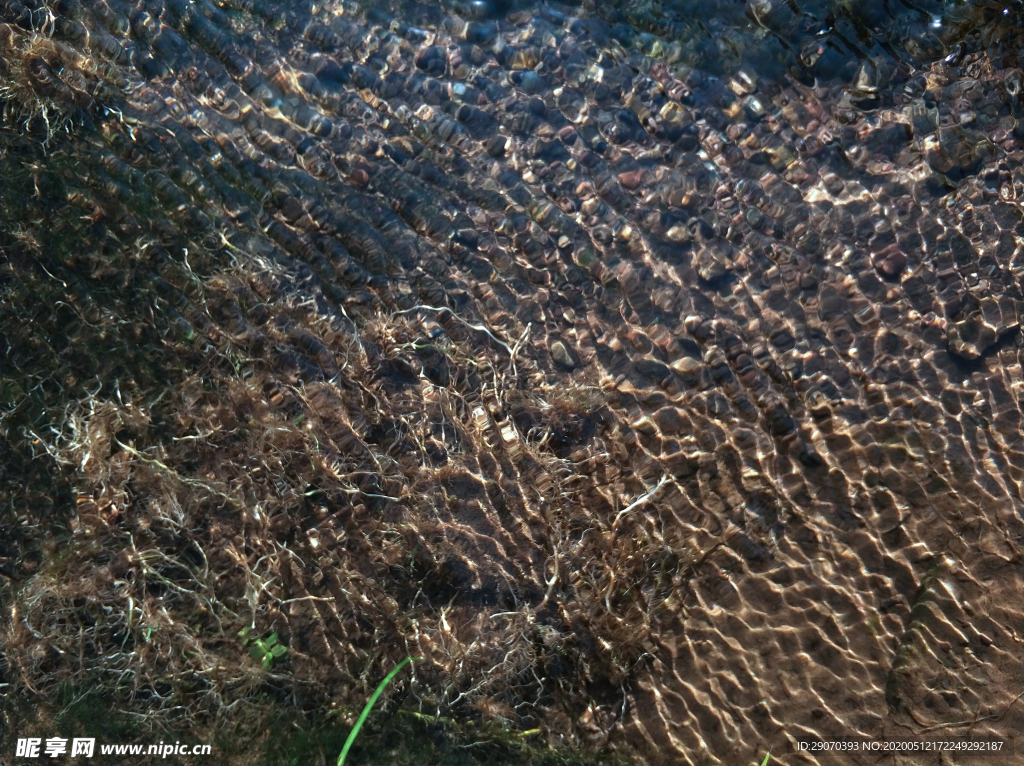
[659,364]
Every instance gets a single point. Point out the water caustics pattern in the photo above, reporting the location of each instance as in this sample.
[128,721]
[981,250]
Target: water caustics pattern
[653,371]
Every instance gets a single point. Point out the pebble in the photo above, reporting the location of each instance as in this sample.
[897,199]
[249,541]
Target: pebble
[560,353]
[890,261]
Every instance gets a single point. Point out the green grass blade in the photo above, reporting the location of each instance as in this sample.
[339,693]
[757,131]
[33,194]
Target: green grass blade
[766,757]
[369,706]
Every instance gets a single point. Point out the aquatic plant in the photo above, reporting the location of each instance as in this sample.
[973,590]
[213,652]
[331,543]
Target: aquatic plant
[46,84]
[264,649]
[369,706]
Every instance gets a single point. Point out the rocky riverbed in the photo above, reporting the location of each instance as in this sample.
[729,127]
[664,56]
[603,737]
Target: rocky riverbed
[652,371]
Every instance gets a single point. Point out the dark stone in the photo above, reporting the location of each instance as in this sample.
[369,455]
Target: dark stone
[433,60]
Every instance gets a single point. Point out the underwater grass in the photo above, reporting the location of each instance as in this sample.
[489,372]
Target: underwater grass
[369,706]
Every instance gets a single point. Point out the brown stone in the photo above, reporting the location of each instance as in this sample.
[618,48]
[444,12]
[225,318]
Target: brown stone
[890,261]
[567,135]
[631,179]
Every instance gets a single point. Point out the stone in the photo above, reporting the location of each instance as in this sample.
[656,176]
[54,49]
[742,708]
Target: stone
[890,261]
[561,354]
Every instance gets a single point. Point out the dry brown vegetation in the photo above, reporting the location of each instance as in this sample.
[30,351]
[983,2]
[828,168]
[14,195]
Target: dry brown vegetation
[338,513]
[194,447]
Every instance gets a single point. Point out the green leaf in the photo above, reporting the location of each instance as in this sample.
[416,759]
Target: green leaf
[268,661]
[766,757]
[271,640]
[278,650]
[369,706]
[257,652]
[244,632]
